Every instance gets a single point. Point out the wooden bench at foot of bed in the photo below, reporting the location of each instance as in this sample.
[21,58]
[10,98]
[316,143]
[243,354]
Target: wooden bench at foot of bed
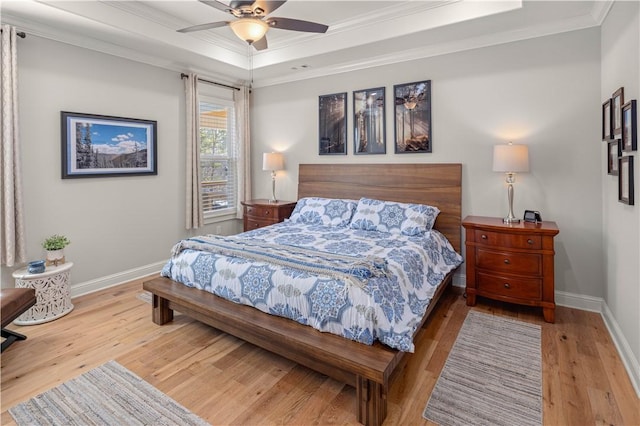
[367,368]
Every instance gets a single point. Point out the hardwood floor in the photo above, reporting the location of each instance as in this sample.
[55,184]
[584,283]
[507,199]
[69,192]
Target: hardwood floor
[227,381]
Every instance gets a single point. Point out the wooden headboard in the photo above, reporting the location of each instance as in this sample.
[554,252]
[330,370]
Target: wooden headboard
[435,184]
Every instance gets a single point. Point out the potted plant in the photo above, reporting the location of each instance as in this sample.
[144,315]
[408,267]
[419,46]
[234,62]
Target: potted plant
[54,245]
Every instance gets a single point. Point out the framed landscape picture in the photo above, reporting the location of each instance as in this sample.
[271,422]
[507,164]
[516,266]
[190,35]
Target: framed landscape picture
[607,132]
[333,124]
[617,100]
[412,117]
[625,180]
[368,121]
[629,127]
[100,146]
[615,152]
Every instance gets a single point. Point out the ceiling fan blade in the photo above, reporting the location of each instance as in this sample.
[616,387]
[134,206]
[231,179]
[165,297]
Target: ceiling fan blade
[234,4]
[202,27]
[268,6]
[217,5]
[296,25]
[260,44]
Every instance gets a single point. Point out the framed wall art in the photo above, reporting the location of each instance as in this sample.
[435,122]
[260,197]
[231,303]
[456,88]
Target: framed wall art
[629,127]
[412,117]
[101,146]
[607,112]
[333,124]
[625,180]
[615,152]
[369,122]
[617,100]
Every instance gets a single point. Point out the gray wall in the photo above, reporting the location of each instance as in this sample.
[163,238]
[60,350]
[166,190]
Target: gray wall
[542,92]
[120,227]
[621,68]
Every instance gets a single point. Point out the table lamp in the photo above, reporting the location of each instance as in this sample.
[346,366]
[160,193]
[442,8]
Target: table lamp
[510,159]
[272,161]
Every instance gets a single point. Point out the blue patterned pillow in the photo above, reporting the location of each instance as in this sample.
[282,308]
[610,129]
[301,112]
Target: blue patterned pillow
[324,211]
[389,216]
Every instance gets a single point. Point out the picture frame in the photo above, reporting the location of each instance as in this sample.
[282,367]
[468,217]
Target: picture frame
[607,117]
[412,117]
[103,146]
[332,124]
[625,180]
[614,153]
[629,127]
[617,100]
[369,131]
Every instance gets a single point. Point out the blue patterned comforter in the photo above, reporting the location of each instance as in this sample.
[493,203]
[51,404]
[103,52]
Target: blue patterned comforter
[386,308]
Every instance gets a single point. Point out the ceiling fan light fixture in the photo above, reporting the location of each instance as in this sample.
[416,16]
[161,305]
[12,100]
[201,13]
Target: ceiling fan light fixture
[249,29]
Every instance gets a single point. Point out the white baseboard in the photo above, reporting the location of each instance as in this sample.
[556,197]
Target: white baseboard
[579,301]
[116,279]
[631,363]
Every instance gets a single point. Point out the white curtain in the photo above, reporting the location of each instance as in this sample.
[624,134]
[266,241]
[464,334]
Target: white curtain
[193,203]
[12,240]
[241,101]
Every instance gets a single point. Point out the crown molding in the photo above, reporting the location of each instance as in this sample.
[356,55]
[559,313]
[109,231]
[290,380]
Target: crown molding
[601,10]
[423,52]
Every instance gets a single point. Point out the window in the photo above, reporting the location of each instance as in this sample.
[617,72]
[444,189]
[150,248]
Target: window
[218,161]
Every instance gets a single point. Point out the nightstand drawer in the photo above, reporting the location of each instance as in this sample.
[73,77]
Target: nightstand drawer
[515,263]
[255,224]
[496,239]
[502,285]
[261,211]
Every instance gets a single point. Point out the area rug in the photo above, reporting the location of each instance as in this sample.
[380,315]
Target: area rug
[145,296]
[107,395]
[493,375]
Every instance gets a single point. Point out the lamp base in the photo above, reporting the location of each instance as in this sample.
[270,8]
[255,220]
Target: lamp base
[511,220]
[273,201]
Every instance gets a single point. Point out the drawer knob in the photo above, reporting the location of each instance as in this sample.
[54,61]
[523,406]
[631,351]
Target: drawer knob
[483,236]
[507,261]
[530,241]
[507,285]
[267,212]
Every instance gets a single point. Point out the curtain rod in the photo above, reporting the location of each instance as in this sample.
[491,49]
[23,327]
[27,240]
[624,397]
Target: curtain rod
[20,34]
[183,75]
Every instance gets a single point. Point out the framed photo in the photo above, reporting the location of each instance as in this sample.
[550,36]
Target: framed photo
[412,117]
[607,114]
[101,146]
[615,152]
[333,124]
[629,127]
[368,122]
[616,116]
[625,180]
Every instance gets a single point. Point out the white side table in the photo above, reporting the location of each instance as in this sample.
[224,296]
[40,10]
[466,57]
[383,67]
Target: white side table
[52,294]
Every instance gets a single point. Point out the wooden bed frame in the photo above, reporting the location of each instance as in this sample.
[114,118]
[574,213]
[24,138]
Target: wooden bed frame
[367,368]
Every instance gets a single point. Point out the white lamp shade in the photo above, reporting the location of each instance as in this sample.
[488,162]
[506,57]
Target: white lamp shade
[249,29]
[272,161]
[510,158]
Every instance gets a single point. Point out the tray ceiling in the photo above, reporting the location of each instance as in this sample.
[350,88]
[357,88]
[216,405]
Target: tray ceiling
[361,33]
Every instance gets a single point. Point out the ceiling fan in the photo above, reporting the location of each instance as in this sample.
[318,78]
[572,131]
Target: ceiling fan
[252,22]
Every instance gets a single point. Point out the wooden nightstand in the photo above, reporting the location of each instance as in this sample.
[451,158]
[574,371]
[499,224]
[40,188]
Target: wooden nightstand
[511,262]
[262,212]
